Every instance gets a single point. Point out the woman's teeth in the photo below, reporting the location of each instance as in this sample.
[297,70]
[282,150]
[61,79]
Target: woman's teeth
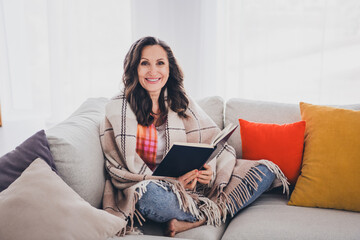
[152,79]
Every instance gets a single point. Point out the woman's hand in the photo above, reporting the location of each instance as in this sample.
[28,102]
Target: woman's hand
[189,180]
[205,176]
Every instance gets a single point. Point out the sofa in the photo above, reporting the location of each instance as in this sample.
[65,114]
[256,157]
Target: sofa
[76,151]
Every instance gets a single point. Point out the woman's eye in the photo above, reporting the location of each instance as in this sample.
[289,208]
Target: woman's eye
[144,63]
[161,63]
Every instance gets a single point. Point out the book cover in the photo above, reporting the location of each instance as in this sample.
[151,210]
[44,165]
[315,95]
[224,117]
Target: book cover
[184,157]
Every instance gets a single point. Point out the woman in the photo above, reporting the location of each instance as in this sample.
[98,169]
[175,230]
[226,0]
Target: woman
[141,124]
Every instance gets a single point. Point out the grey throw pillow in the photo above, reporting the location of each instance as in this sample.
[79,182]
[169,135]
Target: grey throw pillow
[15,162]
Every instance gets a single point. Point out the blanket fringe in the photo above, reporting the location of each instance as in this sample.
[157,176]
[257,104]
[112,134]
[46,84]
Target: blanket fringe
[210,211]
[279,175]
[186,202]
[241,193]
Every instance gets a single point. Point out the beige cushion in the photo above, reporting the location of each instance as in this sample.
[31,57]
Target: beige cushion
[76,149]
[39,205]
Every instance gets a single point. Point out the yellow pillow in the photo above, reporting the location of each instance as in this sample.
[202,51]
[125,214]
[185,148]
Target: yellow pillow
[330,174]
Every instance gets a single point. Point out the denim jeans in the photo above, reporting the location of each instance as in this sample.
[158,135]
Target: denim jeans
[160,205]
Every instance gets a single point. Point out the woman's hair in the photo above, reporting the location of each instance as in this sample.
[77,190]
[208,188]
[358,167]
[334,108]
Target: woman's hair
[139,99]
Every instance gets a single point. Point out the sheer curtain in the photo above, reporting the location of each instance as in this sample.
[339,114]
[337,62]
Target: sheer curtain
[290,50]
[55,54]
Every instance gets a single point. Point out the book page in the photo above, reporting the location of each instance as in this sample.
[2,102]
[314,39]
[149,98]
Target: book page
[193,144]
[226,132]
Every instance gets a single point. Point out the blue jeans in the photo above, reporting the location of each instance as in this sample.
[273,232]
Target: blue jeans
[160,205]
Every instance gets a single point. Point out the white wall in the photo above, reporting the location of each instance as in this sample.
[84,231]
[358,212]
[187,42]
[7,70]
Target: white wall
[189,28]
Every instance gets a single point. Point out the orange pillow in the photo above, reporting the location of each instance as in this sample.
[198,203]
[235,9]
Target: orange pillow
[330,171]
[281,144]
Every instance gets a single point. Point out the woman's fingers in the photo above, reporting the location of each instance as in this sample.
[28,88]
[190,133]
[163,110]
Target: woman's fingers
[188,177]
[188,174]
[205,176]
[192,184]
[189,180]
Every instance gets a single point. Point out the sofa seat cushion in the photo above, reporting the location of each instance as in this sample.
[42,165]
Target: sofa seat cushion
[204,232]
[270,217]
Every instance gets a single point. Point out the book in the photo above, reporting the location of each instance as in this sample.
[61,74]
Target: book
[185,157]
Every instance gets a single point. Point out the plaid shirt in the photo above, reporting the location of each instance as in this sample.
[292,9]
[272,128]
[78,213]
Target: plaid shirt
[146,144]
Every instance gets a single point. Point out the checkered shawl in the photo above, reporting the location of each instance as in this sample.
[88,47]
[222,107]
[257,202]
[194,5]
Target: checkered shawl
[129,175]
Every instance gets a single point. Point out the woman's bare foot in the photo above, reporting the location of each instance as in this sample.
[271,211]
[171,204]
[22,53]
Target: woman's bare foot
[174,226]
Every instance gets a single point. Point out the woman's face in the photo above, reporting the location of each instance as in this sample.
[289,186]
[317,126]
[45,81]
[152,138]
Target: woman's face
[153,69]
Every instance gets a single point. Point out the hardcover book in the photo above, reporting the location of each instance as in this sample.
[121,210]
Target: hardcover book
[184,157]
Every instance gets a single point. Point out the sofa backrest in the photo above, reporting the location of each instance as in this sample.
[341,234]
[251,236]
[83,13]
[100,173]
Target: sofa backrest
[76,149]
[214,107]
[262,112]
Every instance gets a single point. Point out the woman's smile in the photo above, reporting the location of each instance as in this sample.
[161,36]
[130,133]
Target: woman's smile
[153,80]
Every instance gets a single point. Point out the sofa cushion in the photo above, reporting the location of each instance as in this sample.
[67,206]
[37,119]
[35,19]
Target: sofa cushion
[271,217]
[214,107]
[204,232]
[330,174]
[75,146]
[15,162]
[39,205]
[257,111]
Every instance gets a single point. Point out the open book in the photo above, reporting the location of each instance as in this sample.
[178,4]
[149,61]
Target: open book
[184,157]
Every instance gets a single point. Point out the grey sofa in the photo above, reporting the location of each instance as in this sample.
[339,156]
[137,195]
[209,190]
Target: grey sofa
[76,149]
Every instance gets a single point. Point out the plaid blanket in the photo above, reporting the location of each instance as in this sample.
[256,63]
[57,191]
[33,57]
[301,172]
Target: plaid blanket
[129,174]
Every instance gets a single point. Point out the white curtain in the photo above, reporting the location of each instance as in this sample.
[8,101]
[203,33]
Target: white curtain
[290,50]
[55,54]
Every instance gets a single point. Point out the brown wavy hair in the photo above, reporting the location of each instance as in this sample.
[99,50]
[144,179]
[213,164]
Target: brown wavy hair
[139,99]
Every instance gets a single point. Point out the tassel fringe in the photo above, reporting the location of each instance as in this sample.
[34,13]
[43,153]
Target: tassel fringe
[241,194]
[279,175]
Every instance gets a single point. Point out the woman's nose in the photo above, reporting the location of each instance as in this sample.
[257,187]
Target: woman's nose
[152,69]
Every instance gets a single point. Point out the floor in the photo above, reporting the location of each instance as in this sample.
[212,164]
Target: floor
[13,133]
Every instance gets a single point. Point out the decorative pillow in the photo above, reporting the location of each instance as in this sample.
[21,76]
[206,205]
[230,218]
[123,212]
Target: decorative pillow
[75,146]
[39,205]
[15,162]
[281,144]
[257,111]
[330,171]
